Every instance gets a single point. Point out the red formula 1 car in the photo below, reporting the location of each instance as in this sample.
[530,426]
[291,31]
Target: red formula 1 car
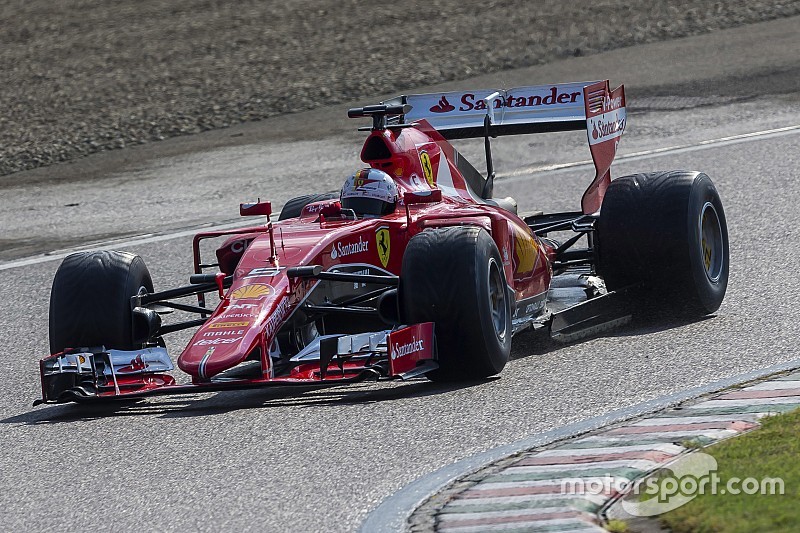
[436,282]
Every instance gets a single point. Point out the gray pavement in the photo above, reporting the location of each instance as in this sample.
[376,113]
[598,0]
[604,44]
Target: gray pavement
[321,460]
[674,89]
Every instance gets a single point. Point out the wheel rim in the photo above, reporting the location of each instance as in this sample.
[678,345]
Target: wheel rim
[497,300]
[711,245]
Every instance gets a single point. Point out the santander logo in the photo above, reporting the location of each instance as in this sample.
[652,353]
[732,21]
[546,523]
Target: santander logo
[443,106]
[552,96]
[607,125]
[343,250]
[401,350]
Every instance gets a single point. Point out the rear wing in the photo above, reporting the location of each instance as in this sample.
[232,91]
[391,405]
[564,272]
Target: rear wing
[591,106]
[462,114]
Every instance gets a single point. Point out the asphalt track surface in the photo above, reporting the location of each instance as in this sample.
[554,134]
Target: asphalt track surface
[321,460]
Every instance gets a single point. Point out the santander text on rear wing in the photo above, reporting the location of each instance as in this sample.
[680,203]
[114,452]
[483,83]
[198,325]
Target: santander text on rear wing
[461,114]
[591,106]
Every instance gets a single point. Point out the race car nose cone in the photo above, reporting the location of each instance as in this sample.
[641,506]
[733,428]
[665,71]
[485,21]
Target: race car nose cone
[207,356]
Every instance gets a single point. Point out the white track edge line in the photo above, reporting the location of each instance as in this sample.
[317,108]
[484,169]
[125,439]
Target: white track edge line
[523,174]
[117,244]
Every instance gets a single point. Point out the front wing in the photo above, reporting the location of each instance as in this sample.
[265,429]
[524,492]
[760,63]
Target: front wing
[84,375]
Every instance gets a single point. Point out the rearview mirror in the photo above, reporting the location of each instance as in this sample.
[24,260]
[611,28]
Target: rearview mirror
[257,209]
[422,197]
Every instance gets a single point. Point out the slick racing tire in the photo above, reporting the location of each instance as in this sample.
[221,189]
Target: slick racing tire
[90,304]
[454,278]
[665,231]
[294,207]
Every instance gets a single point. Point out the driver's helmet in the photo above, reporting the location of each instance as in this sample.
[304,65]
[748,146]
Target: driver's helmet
[369,192]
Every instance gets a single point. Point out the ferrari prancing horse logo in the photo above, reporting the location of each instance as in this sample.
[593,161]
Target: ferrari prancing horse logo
[427,167]
[384,241]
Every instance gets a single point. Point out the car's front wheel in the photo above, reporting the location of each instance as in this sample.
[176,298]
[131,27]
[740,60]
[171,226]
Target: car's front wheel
[454,277]
[90,303]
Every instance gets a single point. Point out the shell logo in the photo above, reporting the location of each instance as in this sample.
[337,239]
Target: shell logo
[252,292]
[526,249]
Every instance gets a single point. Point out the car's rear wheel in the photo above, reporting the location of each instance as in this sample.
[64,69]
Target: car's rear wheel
[90,303]
[454,277]
[294,207]
[666,231]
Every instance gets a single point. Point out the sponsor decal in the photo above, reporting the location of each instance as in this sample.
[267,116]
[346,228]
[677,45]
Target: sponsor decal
[605,119]
[427,167]
[223,333]
[443,106]
[264,272]
[398,172]
[402,350]
[529,306]
[525,248]
[532,308]
[239,315]
[344,249]
[252,292]
[541,103]
[240,245]
[237,306]
[218,325]
[217,341]
[607,126]
[276,319]
[416,180]
[313,208]
[610,104]
[409,346]
[357,284]
[384,242]
[553,96]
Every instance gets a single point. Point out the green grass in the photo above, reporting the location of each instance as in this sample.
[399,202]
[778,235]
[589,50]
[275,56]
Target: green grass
[692,444]
[617,526]
[772,451]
